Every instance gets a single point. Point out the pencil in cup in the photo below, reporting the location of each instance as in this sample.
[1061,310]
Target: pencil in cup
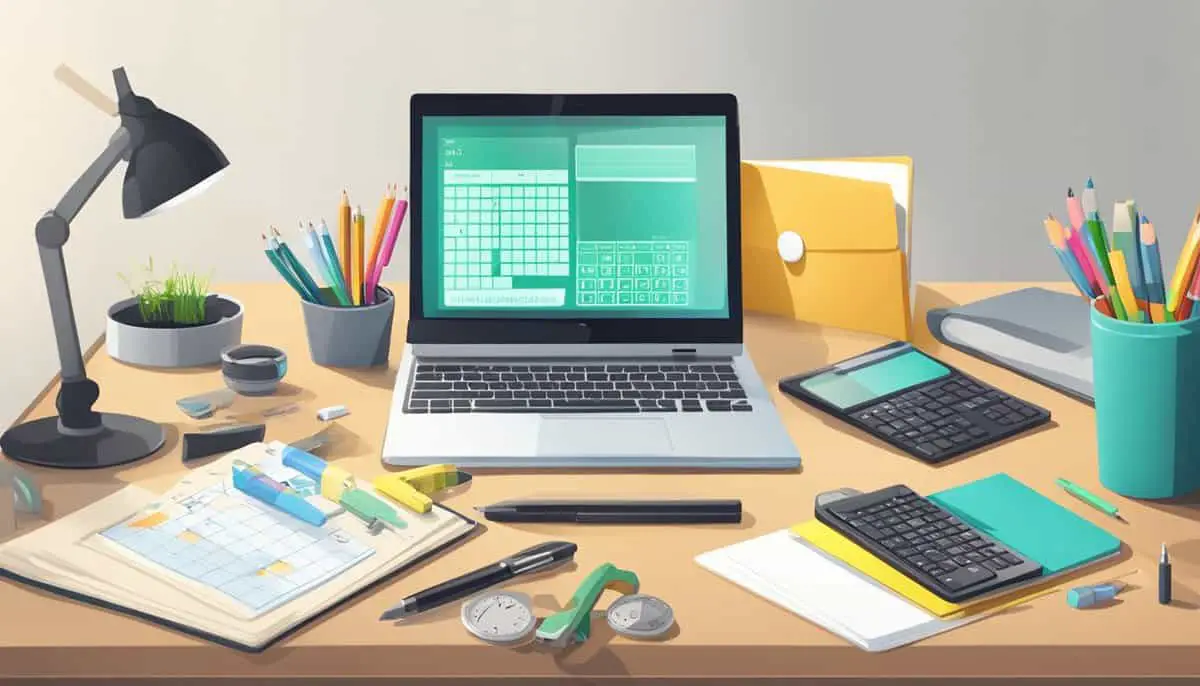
[328,270]
[1156,293]
[293,262]
[344,232]
[1124,288]
[384,258]
[272,254]
[331,257]
[381,224]
[1056,233]
[1185,270]
[1125,239]
[357,236]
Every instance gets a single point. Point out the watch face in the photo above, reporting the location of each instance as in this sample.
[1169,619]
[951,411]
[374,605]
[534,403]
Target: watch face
[640,616]
[500,618]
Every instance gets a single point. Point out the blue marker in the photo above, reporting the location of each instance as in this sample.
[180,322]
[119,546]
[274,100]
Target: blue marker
[250,480]
[1084,597]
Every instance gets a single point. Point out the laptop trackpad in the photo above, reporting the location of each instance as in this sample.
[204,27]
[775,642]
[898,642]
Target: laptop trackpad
[618,436]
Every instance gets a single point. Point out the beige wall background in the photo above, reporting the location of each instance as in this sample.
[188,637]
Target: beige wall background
[1002,103]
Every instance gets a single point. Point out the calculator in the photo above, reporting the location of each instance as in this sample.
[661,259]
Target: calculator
[915,403]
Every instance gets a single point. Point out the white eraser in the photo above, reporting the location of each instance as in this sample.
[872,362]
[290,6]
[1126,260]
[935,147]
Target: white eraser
[327,507]
[328,413]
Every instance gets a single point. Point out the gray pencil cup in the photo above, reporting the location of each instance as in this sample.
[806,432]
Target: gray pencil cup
[350,336]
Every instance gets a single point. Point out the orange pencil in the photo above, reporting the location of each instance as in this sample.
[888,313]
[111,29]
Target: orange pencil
[357,238]
[344,230]
[381,222]
[1185,268]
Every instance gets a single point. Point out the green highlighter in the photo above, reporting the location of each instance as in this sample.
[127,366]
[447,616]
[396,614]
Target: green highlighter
[373,511]
[1093,500]
[574,624]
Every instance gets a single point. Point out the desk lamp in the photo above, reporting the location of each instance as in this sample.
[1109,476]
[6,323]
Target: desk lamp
[168,160]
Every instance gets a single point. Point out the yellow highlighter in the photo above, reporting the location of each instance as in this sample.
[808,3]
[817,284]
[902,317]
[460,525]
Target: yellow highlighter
[1116,258]
[412,488]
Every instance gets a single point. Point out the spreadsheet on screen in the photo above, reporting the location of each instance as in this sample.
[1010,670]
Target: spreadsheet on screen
[575,216]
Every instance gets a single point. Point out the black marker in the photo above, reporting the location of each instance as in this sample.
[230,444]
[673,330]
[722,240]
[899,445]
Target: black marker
[1164,577]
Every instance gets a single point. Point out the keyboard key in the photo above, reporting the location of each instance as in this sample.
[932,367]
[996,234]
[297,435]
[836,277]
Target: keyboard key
[965,576]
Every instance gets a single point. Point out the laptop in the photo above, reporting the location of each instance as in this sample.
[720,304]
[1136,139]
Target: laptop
[575,288]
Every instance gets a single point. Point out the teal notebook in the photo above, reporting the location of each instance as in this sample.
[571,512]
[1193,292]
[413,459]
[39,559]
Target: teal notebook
[1030,523]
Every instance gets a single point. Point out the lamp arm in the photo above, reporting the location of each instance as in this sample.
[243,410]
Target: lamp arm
[77,393]
[81,191]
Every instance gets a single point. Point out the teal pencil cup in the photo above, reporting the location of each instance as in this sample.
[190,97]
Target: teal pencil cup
[1146,380]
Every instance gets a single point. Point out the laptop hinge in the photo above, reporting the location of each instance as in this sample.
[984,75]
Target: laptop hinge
[684,353]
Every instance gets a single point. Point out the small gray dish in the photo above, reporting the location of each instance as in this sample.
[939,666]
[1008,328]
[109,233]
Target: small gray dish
[253,369]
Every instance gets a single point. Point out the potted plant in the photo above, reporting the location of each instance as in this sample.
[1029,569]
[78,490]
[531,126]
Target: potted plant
[172,322]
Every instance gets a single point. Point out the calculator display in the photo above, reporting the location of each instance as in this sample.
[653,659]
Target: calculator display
[862,380]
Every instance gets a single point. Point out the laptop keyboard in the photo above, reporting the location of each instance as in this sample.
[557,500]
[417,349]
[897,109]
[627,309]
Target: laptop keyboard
[572,388]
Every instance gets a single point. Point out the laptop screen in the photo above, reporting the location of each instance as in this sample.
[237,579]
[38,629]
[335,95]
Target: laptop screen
[581,217]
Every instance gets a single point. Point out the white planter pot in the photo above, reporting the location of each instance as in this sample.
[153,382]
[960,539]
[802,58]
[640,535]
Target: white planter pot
[130,340]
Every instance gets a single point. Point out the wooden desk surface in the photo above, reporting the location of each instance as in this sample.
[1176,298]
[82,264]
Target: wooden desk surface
[722,629]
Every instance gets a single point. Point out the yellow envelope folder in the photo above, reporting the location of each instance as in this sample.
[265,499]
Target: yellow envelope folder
[856,240]
[833,543]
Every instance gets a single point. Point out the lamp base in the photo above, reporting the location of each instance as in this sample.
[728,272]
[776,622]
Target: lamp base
[123,439]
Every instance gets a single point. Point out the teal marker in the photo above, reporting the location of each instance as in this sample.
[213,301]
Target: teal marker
[1084,597]
[1093,500]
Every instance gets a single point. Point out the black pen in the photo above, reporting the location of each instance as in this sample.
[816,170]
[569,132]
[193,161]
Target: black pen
[616,511]
[535,559]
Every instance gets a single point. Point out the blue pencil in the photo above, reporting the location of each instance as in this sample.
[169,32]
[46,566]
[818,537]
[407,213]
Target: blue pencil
[318,257]
[272,252]
[331,257]
[1152,271]
[289,258]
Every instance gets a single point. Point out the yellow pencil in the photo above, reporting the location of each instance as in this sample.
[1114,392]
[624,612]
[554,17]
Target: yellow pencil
[1185,268]
[381,222]
[358,237]
[344,231]
[1116,258]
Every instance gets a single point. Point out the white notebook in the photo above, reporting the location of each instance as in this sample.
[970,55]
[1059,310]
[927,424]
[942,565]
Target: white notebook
[799,577]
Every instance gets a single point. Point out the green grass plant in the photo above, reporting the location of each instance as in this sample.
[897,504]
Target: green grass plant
[177,299]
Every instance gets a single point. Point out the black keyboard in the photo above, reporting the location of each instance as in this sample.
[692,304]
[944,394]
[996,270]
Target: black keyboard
[944,419]
[927,543]
[711,386]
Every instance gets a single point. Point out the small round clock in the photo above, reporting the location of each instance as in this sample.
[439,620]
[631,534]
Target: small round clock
[640,616]
[502,618]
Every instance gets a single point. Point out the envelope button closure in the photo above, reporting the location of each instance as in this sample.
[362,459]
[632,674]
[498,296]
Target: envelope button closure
[790,246]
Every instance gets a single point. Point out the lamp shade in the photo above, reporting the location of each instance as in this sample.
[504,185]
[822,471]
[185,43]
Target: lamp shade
[171,161]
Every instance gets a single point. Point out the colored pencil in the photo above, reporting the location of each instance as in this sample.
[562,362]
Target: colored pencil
[1124,289]
[1099,244]
[1156,293]
[293,263]
[330,271]
[1088,203]
[1185,269]
[389,245]
[1075,213]
[1058,241]
[1193,297]
[344,231]
[357,236]
[1125,239]
[331,257]
[1106,284]
[381,224]
[272,252]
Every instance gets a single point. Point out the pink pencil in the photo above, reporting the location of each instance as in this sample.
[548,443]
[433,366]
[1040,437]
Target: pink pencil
[1075,238]
[389,245]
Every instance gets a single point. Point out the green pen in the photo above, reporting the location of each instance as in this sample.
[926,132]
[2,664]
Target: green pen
[1093,500]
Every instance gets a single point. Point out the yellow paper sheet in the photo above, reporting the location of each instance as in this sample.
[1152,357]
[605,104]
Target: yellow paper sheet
[833,543]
